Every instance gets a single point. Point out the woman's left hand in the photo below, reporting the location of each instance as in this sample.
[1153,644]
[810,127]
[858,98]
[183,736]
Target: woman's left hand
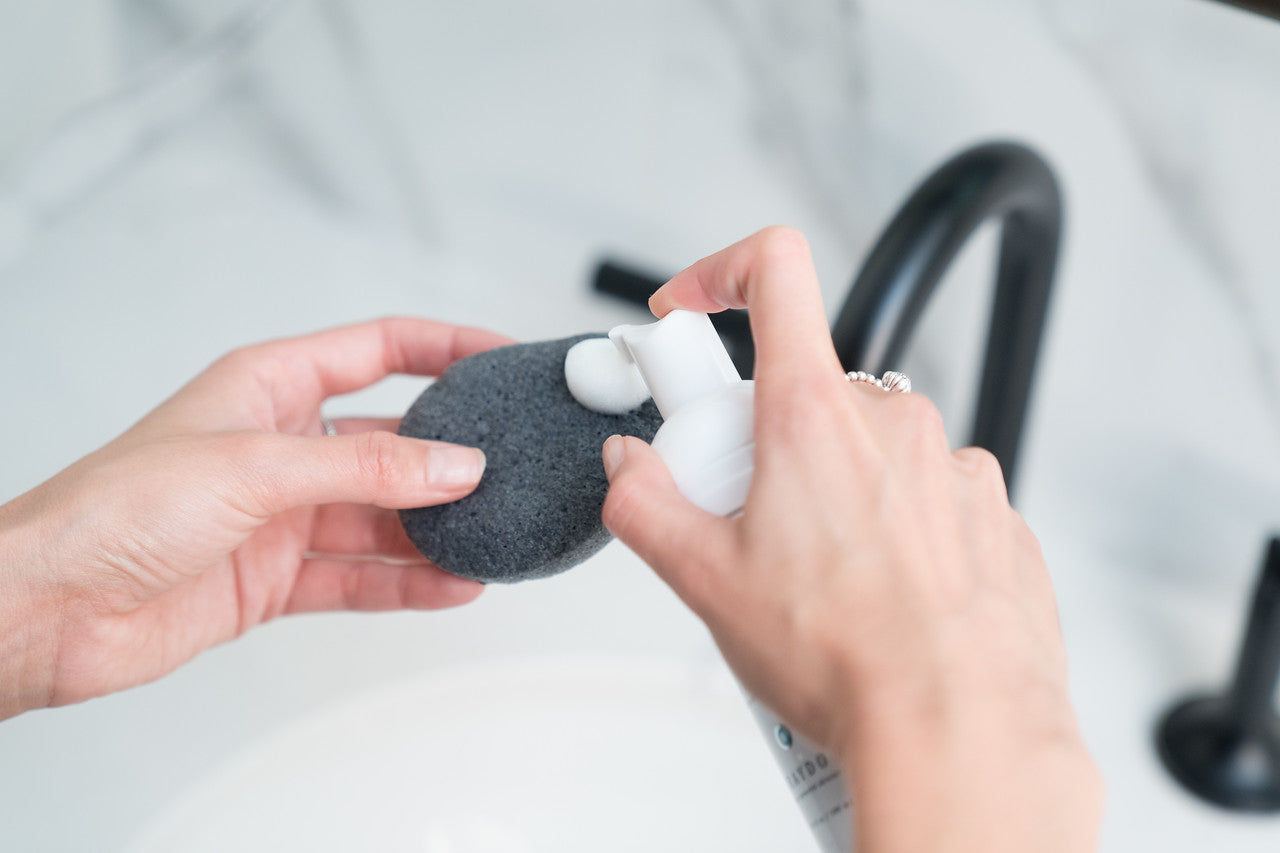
[192,527]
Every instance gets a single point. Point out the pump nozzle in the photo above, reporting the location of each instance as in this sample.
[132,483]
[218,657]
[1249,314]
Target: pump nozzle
[680,357]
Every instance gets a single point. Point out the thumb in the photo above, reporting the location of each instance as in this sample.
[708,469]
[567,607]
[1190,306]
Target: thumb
[378,467]
[687,546]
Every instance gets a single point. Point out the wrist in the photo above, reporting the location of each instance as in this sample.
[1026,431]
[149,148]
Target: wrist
[971,771]
[28,621]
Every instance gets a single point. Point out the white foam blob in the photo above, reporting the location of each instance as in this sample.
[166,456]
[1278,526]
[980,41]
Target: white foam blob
[601,378]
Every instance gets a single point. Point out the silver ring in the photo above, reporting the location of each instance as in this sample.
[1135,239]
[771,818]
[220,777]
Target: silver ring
[327,426]
[892,380]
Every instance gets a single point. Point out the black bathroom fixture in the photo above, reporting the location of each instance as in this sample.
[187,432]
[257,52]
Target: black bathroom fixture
[1226,748]
[997,180]
[1262,7]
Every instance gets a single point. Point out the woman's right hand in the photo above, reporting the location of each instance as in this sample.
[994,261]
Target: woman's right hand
[878,592]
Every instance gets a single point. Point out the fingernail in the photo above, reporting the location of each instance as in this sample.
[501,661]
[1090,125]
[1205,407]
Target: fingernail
[615,450]
[452,466]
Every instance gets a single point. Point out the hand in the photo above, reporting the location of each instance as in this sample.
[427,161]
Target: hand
[191,527]
[878,592]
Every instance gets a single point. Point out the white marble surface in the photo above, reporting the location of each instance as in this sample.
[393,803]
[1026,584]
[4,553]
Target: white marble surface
[470,160]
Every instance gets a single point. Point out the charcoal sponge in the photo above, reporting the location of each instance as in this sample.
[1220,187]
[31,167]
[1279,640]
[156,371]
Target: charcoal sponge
[537,509]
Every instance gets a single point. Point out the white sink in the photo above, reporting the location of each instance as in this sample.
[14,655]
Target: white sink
[509,757]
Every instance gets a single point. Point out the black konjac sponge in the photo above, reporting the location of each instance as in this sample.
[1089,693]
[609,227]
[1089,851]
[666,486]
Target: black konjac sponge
[537,509]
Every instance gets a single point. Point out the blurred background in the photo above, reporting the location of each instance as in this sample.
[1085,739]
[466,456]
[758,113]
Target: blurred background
[178,178]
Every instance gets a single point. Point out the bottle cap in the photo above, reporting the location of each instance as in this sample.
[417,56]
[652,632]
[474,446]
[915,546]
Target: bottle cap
[681,358]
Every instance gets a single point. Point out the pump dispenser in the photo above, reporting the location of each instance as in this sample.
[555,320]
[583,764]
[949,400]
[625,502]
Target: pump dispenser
[707,440]
[706,437]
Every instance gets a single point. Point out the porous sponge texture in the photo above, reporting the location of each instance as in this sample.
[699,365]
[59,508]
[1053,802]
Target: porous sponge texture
[537,509]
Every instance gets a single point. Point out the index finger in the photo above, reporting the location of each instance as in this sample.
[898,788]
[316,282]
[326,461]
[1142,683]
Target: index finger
[770,274]
[348,358]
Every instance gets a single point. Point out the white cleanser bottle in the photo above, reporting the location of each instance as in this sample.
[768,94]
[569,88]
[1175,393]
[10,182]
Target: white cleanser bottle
[707,441]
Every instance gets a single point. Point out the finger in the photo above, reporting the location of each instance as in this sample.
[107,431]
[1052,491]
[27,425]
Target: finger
[348,358]
[347,528]
[908,426]
[353,426]
[771,274]
[685,545]
[278,472]
[340,585]
[982,474]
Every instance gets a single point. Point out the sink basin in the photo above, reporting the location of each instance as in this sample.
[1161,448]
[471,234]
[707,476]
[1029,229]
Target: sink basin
[506,757]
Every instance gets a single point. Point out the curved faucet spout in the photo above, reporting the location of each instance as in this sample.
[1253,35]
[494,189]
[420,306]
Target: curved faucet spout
[1000,179]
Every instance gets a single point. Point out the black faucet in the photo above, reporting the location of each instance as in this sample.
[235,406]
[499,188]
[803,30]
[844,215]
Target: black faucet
[1262,7]
[1226,748]
[995,180]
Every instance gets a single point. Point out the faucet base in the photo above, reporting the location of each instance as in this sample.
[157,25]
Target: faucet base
[1203,744]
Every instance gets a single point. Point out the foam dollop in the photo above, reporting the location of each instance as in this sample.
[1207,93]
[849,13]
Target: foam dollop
[602,379]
